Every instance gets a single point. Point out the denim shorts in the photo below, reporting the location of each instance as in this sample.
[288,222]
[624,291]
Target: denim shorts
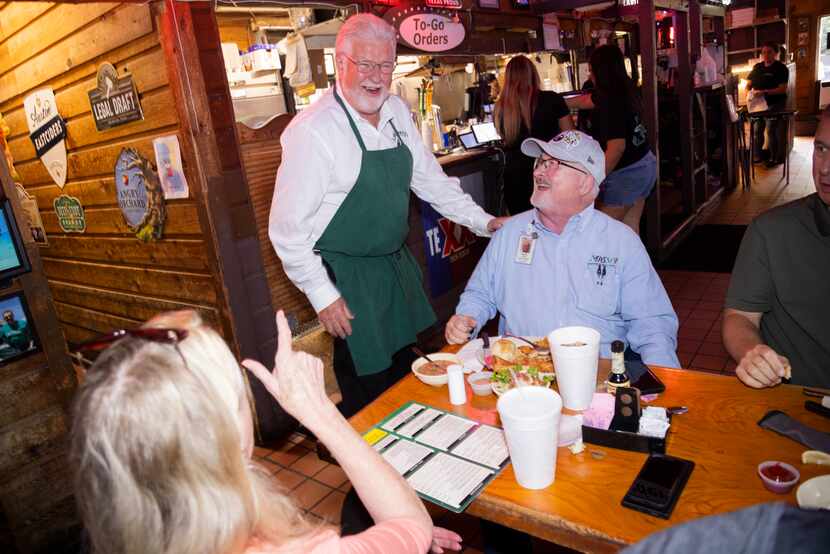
[625,186]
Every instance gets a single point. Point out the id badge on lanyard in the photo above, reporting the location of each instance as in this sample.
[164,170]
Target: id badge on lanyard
[526,246]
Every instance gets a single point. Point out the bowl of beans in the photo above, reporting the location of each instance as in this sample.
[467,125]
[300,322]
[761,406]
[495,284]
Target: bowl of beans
[434,373]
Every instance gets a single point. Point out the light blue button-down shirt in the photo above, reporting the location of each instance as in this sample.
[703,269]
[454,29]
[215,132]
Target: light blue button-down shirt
[596,273]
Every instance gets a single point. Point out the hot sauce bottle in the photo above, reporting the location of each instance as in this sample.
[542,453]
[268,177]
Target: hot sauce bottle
[618,376]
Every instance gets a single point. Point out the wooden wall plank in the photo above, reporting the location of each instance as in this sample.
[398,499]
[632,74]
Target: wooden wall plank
[32,438]
[188,254]
[26,394]
[36,487]
[17,15]
[159,112]
[94,320]
[52,27]
[71,86]
[75,335]
[24,365]
[90,162]
[132,21]
[182,219]
[126,305]
[92,192]
[173,285]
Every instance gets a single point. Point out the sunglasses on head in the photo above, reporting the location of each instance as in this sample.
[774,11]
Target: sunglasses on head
[165,336]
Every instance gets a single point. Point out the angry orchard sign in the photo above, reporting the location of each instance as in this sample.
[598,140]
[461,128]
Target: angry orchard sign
[427,29]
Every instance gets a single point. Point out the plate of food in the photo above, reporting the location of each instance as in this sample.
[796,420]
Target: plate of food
[510,349]
[505,379]
[512,360]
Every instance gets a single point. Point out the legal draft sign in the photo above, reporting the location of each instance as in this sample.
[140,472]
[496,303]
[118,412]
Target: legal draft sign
[48,132]
[427,29]
[114,101]
[139,195]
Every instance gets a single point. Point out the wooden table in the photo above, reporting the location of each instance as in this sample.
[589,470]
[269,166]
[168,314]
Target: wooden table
[582,510]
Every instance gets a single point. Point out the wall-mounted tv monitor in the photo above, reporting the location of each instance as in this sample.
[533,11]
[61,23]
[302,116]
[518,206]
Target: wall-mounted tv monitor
[13,258]
[17,331]
[521,3]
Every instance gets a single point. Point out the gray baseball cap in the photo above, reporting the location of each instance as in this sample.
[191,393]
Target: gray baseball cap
[570,146]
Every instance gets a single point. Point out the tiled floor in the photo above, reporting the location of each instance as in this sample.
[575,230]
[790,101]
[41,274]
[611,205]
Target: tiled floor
[698,300]
[769,189]
[320,488]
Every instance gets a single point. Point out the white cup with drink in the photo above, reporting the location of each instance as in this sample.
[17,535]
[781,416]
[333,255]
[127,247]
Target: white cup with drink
[575,352]
[530,418]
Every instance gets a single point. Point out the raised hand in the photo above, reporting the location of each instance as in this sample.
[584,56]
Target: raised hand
[296,381]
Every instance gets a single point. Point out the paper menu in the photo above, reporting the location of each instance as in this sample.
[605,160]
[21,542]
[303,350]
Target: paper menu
[447,458]
[384,442]
[404,415]
[445,431]
[404,455]
[485,445]
[448,479]
[417,423]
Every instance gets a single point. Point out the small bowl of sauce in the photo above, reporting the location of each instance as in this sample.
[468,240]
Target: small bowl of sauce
[778,477]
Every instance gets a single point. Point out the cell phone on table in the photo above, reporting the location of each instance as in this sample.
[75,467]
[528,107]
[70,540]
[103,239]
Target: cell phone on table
[643,379]
[658,485]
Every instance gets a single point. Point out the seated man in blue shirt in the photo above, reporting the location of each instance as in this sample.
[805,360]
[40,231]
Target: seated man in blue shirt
[564,263]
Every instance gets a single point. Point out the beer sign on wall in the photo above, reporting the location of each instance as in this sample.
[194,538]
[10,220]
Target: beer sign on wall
[114,101]
[139,195]
[48,132]
[427,29]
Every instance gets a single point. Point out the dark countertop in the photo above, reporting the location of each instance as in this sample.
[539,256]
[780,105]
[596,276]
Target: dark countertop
[454,158]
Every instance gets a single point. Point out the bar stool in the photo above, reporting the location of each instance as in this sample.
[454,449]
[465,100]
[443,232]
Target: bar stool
[785,115]
[744,156]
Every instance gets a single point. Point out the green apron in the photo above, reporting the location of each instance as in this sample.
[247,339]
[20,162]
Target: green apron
[364,247]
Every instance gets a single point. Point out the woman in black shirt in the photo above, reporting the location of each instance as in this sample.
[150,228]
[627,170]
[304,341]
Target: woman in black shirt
[523,111]
[630,166]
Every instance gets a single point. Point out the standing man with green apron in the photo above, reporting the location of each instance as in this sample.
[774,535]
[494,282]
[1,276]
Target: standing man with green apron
[339,217]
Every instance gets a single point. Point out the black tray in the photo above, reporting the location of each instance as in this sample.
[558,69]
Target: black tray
[625,440]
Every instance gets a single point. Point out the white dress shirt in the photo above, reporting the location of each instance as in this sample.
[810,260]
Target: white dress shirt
[321,160]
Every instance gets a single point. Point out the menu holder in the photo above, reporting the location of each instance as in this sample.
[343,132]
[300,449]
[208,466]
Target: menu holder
[625,440]
[448,459]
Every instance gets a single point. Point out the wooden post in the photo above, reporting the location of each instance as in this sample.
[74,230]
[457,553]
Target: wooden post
[648,55]
[36,497]
[695,29]
[685,95]
[190,39]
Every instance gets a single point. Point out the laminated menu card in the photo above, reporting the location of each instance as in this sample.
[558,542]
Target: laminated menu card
[446,458]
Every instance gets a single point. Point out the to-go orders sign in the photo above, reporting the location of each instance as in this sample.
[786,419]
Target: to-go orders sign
[431,32]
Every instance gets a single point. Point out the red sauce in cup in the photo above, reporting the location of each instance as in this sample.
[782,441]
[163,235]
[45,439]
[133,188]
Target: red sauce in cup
[778,473]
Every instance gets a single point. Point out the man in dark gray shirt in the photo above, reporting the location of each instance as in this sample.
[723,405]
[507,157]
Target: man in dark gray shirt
[777,316]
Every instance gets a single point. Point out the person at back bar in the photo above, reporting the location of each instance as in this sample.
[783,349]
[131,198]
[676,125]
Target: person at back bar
[769,77]
[161,447]
[777,318]
[565,263]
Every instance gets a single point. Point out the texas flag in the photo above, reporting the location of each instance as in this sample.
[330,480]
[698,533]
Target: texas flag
[451,250]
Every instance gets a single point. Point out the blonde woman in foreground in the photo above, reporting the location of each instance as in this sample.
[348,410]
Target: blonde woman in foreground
[162,441]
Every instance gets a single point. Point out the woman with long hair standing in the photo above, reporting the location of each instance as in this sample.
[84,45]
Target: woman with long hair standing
[524,111]
[630,166]
[161,444]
